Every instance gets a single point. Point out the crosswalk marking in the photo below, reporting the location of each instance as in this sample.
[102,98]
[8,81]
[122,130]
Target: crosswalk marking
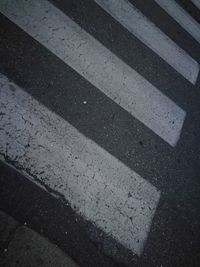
[98,65]
[196,3]
[102,188]
[132,19]
[182,17]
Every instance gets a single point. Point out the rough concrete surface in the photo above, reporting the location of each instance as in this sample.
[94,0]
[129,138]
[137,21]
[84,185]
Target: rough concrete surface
[7,228]
[27,248]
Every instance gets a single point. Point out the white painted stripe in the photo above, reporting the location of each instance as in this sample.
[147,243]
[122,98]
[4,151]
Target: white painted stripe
[196,3]
[182,17]
[102,188]
[98,65]
[132,19]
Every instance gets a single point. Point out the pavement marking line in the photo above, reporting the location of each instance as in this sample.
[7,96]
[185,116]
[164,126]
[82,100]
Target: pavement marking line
[102,188]
[63,37]
[140,26]
[182,17]
[196,3]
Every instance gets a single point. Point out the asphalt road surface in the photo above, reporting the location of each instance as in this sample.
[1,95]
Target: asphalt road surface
[100,127]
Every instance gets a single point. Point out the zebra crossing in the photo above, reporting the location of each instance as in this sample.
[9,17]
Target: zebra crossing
[182,17]
[102,189]
[147,32]
[196,3]
[99,66]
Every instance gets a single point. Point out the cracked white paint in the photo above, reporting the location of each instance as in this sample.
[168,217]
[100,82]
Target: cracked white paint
[181,17]
[103,189]
[140,26]
[98,65]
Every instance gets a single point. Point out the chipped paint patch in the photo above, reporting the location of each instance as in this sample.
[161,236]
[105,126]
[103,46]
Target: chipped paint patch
[98,186]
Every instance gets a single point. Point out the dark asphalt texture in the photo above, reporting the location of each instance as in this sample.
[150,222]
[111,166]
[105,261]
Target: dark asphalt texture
[174,239]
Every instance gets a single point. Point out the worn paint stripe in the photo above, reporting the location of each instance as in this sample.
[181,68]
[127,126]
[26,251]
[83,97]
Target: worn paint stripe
[98,65]
[49,149]
[182,17]
[140,26]
[196,3]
